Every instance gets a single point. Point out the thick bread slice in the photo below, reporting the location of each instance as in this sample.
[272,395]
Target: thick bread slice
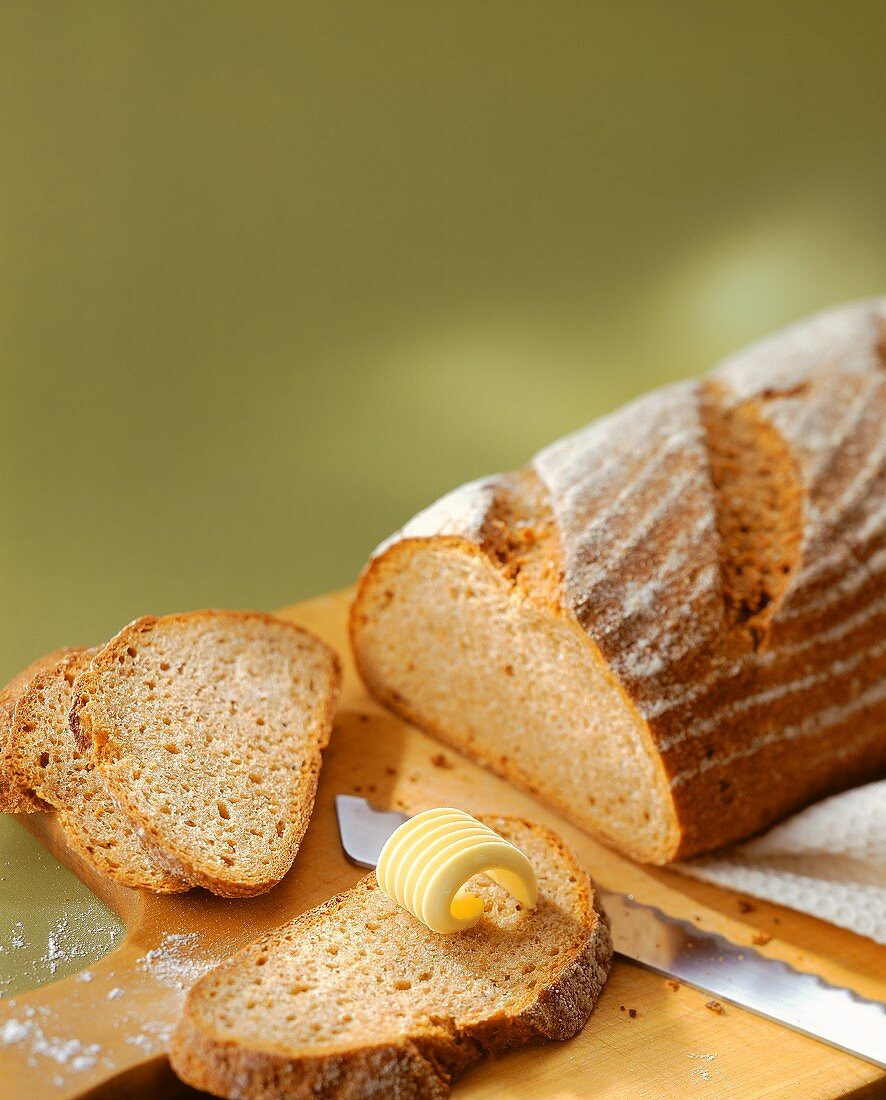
[671,624]
[44,761]
[12,799]
[357,998]
[207,729]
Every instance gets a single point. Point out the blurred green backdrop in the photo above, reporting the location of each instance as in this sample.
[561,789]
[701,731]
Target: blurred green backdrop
[275,275]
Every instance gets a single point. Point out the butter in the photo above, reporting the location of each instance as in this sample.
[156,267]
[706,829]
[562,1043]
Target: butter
[427,862]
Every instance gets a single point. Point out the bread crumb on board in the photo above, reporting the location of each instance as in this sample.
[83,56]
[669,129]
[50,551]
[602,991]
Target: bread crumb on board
[761,938]
[716,1007]
[672,985]
[745,906]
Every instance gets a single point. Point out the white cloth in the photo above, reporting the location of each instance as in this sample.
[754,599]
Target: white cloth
[828,860]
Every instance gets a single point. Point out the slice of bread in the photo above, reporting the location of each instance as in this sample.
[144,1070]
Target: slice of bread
[358,998]
[13,800]
[207,729]
[44,763]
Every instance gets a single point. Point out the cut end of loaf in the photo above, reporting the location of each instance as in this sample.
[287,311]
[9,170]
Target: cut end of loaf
[518,678]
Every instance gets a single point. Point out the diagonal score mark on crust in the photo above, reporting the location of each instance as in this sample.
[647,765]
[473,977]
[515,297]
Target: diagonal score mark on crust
[520,535]
[758,501]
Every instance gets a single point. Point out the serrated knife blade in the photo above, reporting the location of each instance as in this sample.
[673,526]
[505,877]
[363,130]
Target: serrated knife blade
[677,949]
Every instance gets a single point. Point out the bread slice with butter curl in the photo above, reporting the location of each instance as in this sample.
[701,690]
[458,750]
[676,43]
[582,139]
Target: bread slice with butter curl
[358,998]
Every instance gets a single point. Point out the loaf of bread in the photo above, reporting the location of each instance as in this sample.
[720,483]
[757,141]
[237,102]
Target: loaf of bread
[671,624]
[357,998]
[207,728]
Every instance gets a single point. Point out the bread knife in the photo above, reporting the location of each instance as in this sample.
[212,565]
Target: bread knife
[704,960]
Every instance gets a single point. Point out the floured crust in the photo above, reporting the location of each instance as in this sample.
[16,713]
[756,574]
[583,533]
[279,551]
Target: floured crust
[723,545]
[427,1055]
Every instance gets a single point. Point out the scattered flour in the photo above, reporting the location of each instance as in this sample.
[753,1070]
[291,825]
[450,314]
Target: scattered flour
[71,1053]
[13,1031]
[54,950]
[64,943]
[174,962]
[152,1037]
[16,939]
[71,940]
[177,962]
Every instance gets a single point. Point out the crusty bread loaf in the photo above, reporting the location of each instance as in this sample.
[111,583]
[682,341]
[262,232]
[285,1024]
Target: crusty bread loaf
[13,799]
[44,763]
[357,998]
[207,729]
[672,624]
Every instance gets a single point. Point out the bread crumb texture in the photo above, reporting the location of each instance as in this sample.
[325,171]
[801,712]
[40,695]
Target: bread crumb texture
[207,729]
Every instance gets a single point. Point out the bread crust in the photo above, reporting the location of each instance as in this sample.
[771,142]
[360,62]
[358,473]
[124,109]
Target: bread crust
[108,743]
[722,545]
[421,1063]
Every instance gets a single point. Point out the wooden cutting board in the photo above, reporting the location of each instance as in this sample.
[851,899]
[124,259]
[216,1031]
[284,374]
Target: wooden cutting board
[103,1033]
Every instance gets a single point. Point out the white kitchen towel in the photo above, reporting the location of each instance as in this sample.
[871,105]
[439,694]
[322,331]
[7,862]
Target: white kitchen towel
[828,860]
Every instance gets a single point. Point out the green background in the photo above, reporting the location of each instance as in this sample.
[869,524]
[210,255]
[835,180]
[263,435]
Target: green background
[275,275]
